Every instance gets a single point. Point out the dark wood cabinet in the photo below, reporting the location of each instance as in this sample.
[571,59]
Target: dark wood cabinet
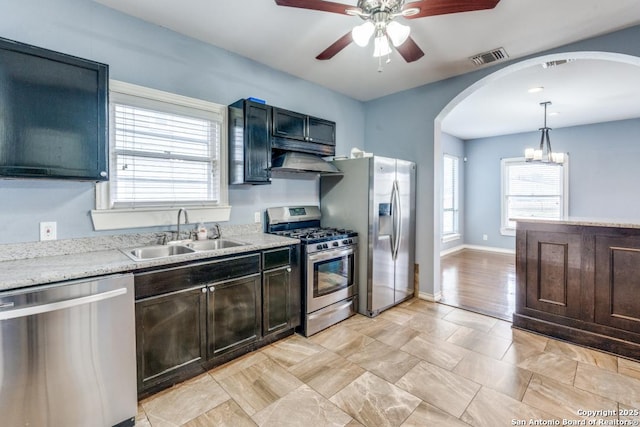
[288,124]
[617,282]
[190,318]
[579,282]
[233,314]
[313,135]
[276,289]
[553,273]
[170,335]
[249,143]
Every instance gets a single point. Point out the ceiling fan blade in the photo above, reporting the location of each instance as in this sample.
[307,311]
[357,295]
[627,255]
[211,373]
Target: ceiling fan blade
[410,51]
[443,7]
[336,47]
[325,6]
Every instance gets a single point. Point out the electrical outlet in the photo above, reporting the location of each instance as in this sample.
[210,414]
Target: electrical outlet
[48,231]
[485,237]
[257,217]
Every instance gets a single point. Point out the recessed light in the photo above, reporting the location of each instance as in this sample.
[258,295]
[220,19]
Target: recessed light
[536,89]
[554,113]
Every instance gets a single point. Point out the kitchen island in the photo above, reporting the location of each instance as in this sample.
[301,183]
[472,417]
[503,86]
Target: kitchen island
[579,280]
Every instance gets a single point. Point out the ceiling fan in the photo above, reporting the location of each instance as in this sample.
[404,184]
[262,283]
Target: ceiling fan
[379,17]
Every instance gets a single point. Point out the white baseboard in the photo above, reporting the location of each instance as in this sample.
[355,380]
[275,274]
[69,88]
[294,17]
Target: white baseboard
[478,248]
[430,297]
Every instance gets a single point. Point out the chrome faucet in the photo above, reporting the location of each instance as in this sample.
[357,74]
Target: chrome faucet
[186,221]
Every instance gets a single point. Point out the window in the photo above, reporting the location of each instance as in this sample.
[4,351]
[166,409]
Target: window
[166,151]
[533,190]
[450,196]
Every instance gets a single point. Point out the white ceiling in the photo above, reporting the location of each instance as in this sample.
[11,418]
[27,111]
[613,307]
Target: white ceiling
[289,39]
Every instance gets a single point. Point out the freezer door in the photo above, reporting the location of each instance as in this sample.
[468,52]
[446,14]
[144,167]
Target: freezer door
[381,287]
[405,258]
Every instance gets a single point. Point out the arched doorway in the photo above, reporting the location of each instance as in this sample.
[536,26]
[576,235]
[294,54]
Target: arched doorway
[460,98]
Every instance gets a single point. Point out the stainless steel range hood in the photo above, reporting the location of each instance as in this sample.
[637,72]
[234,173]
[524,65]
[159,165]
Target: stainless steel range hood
[292,161]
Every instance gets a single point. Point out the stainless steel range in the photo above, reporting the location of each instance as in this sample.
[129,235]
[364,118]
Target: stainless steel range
[329,268]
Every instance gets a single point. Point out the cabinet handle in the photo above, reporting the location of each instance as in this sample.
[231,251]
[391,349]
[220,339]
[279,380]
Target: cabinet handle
[212,288]
[204,290]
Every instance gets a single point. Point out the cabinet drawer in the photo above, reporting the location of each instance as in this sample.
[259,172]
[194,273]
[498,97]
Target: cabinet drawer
[230,268]
[177,278]
[275,258]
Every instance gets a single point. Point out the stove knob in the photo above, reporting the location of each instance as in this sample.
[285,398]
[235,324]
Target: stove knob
[345,242]
[336,243]
[324,245]
[319,247]
[350,240]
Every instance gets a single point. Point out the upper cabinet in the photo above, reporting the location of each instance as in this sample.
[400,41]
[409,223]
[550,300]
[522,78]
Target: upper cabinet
[300,132]
[256,129]
[249,143]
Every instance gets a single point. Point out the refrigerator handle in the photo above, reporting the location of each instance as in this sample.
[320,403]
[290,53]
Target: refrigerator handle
[397,220]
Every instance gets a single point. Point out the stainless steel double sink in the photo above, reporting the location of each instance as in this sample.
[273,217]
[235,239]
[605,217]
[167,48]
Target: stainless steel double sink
[169,250]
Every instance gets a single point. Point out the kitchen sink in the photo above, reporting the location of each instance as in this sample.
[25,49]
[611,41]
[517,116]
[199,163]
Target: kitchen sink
[159,251]
[212,245]
[163,251]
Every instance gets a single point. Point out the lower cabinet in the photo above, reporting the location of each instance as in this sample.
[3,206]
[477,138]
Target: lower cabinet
[193,317]
[170,335]
[276,284]
[233,314]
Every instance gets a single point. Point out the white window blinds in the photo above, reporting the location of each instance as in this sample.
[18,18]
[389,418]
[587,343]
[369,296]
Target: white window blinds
[450,196]
[163,154]
[533,190]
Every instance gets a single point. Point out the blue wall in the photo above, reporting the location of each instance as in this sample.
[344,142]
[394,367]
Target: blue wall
[603,175]
[148,55]
[402,125]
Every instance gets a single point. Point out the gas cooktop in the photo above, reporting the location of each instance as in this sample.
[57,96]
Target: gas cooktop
[317,234]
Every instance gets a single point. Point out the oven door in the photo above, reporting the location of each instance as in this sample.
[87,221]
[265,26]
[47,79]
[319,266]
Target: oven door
[330,277]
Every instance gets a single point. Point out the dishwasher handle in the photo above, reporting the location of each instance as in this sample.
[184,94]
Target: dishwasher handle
[60,305]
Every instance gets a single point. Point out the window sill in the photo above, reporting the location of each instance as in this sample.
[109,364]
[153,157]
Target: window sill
[451,237]
[114,219]
[508,231]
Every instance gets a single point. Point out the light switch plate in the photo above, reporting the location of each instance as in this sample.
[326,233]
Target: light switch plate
[48,231]
[256,217]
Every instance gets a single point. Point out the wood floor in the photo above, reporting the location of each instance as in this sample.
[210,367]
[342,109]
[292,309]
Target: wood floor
[480,281]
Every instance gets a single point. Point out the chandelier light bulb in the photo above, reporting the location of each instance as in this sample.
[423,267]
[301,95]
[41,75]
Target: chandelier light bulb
[381,46]
[398,33]
[362,33]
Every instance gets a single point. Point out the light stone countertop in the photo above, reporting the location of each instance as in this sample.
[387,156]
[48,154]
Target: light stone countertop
[590,222]
[42,270]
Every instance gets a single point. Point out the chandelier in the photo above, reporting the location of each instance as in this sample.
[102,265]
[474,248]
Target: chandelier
[379,23]
[544,153]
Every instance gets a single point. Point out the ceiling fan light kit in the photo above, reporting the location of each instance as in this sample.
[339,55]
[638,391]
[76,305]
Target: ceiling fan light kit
[379,16]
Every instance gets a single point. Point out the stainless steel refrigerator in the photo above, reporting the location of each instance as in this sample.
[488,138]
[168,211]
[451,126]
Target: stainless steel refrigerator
[376,197]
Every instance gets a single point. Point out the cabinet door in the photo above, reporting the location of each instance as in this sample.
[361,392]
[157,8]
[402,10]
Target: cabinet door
[275,294]
[170,335]
[617,282]
[321,131]
[257,148]
[553,268]
[288,124]
[233,314]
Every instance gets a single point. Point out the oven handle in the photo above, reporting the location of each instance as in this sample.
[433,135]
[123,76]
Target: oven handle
[321,256]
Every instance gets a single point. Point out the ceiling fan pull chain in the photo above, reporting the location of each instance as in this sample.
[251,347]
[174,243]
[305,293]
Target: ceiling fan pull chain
[380,64]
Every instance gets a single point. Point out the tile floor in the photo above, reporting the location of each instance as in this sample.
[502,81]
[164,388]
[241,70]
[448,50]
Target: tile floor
[417,364]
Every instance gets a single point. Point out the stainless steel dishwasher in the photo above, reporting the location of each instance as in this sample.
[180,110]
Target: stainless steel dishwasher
[67,354]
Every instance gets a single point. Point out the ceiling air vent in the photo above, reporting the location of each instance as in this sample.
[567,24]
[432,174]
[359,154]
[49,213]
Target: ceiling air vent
[491,56]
